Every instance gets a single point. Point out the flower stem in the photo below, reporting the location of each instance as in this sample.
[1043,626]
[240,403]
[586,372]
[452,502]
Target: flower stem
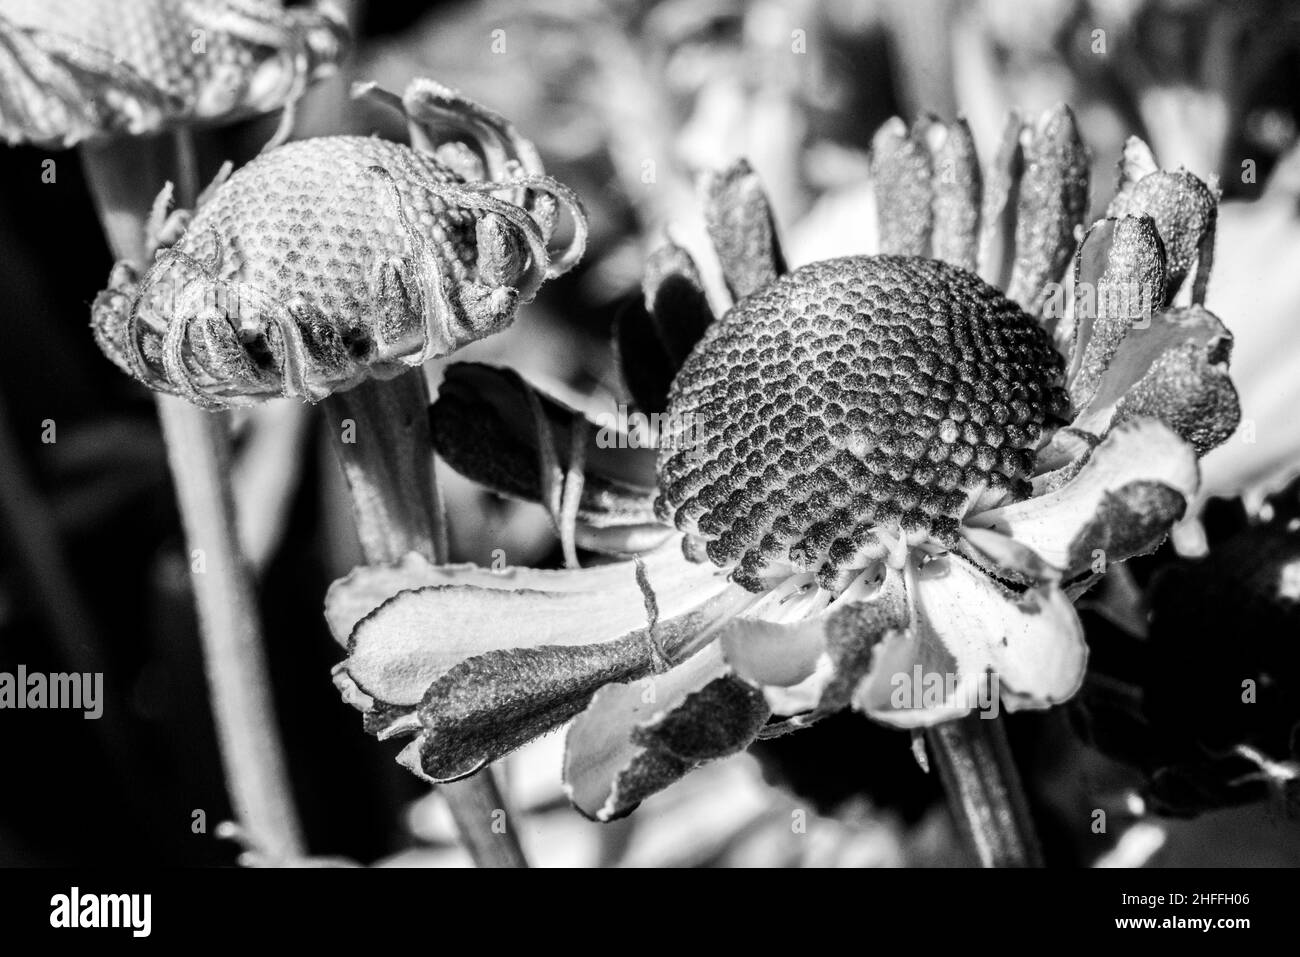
[125,176]
[984,791]
[382,436]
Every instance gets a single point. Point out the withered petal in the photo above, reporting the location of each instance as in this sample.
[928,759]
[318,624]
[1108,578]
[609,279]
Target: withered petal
[489,705]
[901,173]
[958,190]
[1051,205]
[1119,284]
[636,739]
[1176,370]
[743,229]
[998,215]
[1185,211]
[1063,525]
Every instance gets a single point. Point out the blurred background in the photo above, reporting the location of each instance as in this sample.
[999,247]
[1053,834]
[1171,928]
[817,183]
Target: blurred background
[627,102]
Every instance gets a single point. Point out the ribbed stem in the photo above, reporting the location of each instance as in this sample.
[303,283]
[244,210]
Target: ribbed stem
[381,432]
[125,176]
[984,791]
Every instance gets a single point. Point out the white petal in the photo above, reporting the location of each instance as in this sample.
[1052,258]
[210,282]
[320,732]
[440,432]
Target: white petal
[613,755]
[1060,526]
[400,648]
[967,628]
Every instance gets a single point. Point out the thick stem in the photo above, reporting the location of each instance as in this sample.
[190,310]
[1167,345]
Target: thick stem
[984,791]
[124,177]
[381,432]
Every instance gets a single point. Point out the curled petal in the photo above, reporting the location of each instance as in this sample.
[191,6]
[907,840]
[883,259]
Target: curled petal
[901,172]
[743,230]
[1121,502]
[1119,283]
[1175,369]
[998,215]
[59,90]
[643,363]
[1185,211]
[653,338]
[1052,203]
[636,739]
[675,301]
[972,638]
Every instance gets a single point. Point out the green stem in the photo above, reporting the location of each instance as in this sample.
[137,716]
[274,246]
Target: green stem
[984,791]
[382,437]
[125,176]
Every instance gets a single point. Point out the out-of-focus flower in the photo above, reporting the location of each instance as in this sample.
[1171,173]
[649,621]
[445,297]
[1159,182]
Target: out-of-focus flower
[79,70]
[1254,276]
[1190,72]
[1204,697]
[643,94]
[881,480]
[330,260]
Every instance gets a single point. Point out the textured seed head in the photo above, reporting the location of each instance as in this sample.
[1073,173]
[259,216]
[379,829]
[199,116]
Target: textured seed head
[314,222]
[853,396]
[312,219]
[79,69]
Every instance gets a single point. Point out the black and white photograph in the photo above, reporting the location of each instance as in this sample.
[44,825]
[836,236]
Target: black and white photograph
[650,434]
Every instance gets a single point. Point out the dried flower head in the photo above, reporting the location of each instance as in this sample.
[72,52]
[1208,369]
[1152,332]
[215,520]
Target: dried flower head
[330,260]
[86,69]
[881,479]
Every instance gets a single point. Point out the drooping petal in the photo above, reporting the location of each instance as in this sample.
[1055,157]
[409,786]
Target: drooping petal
[1119,283]
[998,215]
[1051,205]
[972,638]
[773,653]
[487,424]
[489,705]
[403,644]
[1122,502]
[901,172]
[636,739]
[958,190]
[1174,369]
[743,230]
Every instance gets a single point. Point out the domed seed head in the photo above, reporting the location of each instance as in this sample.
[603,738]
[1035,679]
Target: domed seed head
[311,220]
[854,394]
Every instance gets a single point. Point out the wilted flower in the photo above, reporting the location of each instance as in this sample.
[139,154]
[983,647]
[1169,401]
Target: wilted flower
[330,260]
[882,481]
[84,69]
